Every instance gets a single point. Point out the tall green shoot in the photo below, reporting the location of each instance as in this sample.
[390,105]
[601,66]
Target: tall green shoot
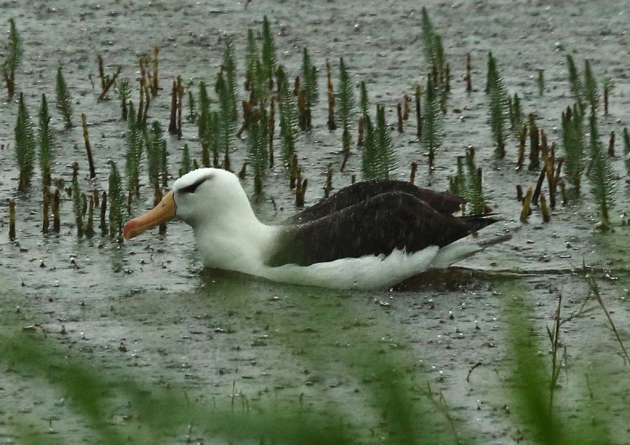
[154,148]
[288,116]
[575,83]
[269,56]
[116,202]
[309,74]
[500,107]
[258,151]
[64,100]
[378,153]
[574,146]
[346,104]
[226,124]
[13,58]
[601,176]
[231,85]
[25,145]
[431,137]
[123,89]
[46,143]
[135,144]
[591,91]
[186,163]
[434,51]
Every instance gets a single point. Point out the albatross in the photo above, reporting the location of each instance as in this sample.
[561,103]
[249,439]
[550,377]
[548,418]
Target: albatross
[370,235]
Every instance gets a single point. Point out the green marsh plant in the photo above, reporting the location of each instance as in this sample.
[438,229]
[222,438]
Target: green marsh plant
[15,52]
[155,149]
[500,107]
[269,57]
[431,122]
[117,201]
[434,52]
[378,151]
[229,69]
[186,164]
[123,89]
[25,145]
[135,142]
[575,84]
[47,141]
[601,176]
[346,105]
[226,122]
[258,149]
[591,90]
[64,99]
[309,83]
[289,120]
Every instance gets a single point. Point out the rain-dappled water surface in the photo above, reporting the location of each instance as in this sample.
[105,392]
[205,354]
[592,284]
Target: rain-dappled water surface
[145,309]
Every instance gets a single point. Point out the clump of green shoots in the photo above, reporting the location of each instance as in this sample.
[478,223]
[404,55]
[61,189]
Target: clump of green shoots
[46,143]
[258,151]
[116,202]
[135,145]
[364,103]
[64,100]
[25,145]
[378,152]
[192,115]
[257,82]
[310,87]
[269,57]
[517,117]
[226,122]
[601,176]
[229,69]
[591,91]
[468,183]
[500,106]
[434,52]
[575,83]
[288,116]
[155,148]
[13,59]
[186,164]
[431,122]
[123,89]
[346,104]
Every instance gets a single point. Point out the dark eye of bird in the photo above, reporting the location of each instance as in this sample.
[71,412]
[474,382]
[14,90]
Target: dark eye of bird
[192,187]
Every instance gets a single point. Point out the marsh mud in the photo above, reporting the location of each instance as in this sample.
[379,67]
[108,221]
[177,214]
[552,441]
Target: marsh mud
[145,309]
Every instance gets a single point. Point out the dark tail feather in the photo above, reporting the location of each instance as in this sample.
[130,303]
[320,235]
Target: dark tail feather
[478,222]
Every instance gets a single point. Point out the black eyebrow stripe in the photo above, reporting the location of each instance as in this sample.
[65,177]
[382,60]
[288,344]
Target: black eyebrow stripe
[192,187]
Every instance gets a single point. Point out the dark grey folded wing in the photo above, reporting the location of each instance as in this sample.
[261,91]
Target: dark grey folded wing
[442,202]
[378,225]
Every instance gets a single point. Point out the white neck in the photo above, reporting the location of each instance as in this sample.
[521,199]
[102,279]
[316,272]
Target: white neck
[237,242]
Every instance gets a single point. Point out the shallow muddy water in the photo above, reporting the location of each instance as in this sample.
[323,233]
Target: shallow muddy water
[145,309]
